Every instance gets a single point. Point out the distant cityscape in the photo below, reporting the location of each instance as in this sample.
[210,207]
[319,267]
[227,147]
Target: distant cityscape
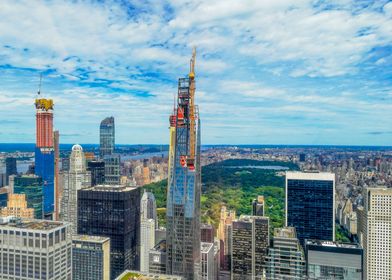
[89,212]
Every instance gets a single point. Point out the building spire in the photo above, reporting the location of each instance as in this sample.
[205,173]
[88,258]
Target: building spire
[40,84]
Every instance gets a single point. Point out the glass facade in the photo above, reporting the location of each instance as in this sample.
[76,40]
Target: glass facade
[97,169]
[112,169]
[44,168]
[106,137]
[32,187]
[112,212]
[310,208]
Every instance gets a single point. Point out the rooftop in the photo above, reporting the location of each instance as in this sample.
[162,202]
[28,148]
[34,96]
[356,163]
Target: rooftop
[109,188]
[206,247]
[90,238]
[31,224]
[310,175]
[137,275]
[325,243]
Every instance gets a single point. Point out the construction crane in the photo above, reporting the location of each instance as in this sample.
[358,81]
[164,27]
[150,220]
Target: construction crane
[192,121]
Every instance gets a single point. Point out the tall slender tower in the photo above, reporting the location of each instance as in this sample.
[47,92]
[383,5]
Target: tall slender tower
[44,151]
[106,137]
[184,183]
[56,143]
[148,224]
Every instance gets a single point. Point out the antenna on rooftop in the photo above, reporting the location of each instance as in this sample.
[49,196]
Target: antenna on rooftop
[40,83]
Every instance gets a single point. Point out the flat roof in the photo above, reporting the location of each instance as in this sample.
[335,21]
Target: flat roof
[205,247]
[30,224]
[109,188]
[326,243]
[310,175]
[90,238]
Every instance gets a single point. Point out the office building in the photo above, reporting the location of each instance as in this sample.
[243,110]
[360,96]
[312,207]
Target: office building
[4,196]
[250,242]
[148,224]
[65,164]
[106,137]
[207,261]
[184,183]
[17,207]
[258,206]
[137,275]
[90,257]
[44,152]
[56,144]
[75,179]
[310,205]
[10,168]
[32,186]
[114,212]
[35,249]
[207,233]
[375,233]
[157,258]
[97,170]
[333,260]
[286,259]
[224,235]
[112,169]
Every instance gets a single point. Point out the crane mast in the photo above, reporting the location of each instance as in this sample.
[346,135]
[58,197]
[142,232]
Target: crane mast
[192,118]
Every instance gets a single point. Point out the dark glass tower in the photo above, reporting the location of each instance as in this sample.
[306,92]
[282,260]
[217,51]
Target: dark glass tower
[97,169]
[10,168]
[114,212]
[310,205]
[106,137]
[184,184]
[32,186]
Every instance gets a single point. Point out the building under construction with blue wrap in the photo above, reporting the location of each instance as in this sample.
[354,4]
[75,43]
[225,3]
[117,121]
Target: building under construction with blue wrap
[184,183]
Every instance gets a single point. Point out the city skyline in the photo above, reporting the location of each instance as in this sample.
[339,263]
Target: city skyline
[269,73]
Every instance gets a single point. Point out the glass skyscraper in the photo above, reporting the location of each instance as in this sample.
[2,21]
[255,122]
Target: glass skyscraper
[32,187]
[184,184]
[114,212]
[310,205]
[106,137]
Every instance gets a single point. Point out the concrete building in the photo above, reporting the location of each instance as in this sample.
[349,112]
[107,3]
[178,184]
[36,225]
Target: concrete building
[32,186]
[90,257]
[207,261]
[258,206]
[75,179]
[310,205]
[106,137]
[148,224]
[333,260]
[375,233]
[224,235]
[286,259]
[17,207]
[207,233]
[250,242]
[114,212]
[35,249]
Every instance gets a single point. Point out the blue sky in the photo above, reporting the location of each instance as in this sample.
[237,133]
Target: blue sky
[268,72]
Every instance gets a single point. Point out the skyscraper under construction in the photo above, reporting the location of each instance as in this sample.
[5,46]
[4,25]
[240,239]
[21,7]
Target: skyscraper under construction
[184,183]
[44,151]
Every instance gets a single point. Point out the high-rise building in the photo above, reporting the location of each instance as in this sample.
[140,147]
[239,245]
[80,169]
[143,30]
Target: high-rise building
[310,205]
[4,196]
[148,222]
[17,207]
[375,233]
[258,206]
[90,257]
[224,235]
[114,212]
[334,260]
[75,179]
[56,144]
[10,168]
[35,249]
[97,170]
[112,169]
[32,187]
[157,258]
[106,137]
[207,233]
[286,259]
[250,242]
[184,183]
[137,275]
[44,151]
[207,261]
